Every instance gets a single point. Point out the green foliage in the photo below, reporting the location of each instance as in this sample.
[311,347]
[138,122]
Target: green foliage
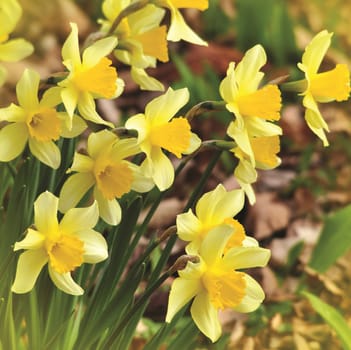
[333,317]
[334,241]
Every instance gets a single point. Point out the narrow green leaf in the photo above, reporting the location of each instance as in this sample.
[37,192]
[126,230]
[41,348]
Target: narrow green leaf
[334,241]
[332,317]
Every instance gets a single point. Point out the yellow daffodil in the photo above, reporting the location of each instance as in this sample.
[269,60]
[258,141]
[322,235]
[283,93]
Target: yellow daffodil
[141,39]
[333,85]
[252,106]
[178,29]
[213,209]
[36,122]
[104,168]
[214,283]
[157,130]
[64,245]
[90,77]
[11,50]
[265,151]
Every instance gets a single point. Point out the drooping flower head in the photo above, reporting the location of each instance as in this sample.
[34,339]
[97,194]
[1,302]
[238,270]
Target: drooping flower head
[11,50]
[213,209]
[265,151]
[215,284]
[178,29]
[157,130]
[90,77]
[36,122]
[141,39]
[106,170]
[332,85]
[252,106]
[63,245]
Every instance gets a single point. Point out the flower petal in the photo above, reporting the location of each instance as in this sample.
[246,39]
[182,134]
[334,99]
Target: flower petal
[99,49]
[100,141]
[95,246]
[15,50]
[29,266]
[79,219]
[195,143]
[77,127]
[246,257]
[45,213]
[32,240]
[163,171]
[161,109]
[74,189]
[52,97]
[228,87]
[141,182]
[70,49]
[82,163]
[145,81]
[253,298]
[138,122]
[212,247]
[27,90]
[13,113]
[205,316]
[47,152]
[188,226]
[109,210]
[70,100]
[182,291]
[65,282]
[13,138]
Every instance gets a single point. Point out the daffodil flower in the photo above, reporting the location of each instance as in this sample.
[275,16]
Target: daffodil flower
[141,39]
[333,85]
[214,284]
[63,245]
[36,122]
[252,106]
[178,29]
[105,169]
[11,50]
[157,130]
[90,77]
[213,209]
[265,151]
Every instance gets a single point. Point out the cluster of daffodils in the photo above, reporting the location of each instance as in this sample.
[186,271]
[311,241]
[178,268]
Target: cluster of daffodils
[136,157]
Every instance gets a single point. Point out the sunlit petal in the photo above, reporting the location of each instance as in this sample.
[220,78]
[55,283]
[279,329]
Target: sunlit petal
[13,138]
[65,282]
[95,246]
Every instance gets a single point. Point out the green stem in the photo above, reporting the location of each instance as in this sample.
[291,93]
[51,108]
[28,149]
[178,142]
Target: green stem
[205,106]
[295,86]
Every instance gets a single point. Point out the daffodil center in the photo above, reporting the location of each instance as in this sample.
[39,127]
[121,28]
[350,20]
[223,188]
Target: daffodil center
[238,235]
[264,103]
[44,125]
[199,4]
[331,85]
[173,136]
[265,150]
[226,289]
[65,253]
[113,179]
[99,79]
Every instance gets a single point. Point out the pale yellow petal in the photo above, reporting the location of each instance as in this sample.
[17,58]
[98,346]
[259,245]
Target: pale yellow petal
[47,152]
[29,266]
[70,49]
[109,210]
[51,97]
[141,181]
[315,52]
[161,109]
[78,125]
[13,113]
[79,219]
[13,138]
[10,14]
[74,189]
[145,81]
[228,87]
[182,291]
[188,226]
[99,49]
[95,246]
[205,316]
[15,50]
[253,298]
[70,100]
[65,282]
[99,142]
[138,122]
[163,171]
[248,75]
[195,143]
[32,240]
[45,213]
[27,90]
[82,163]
